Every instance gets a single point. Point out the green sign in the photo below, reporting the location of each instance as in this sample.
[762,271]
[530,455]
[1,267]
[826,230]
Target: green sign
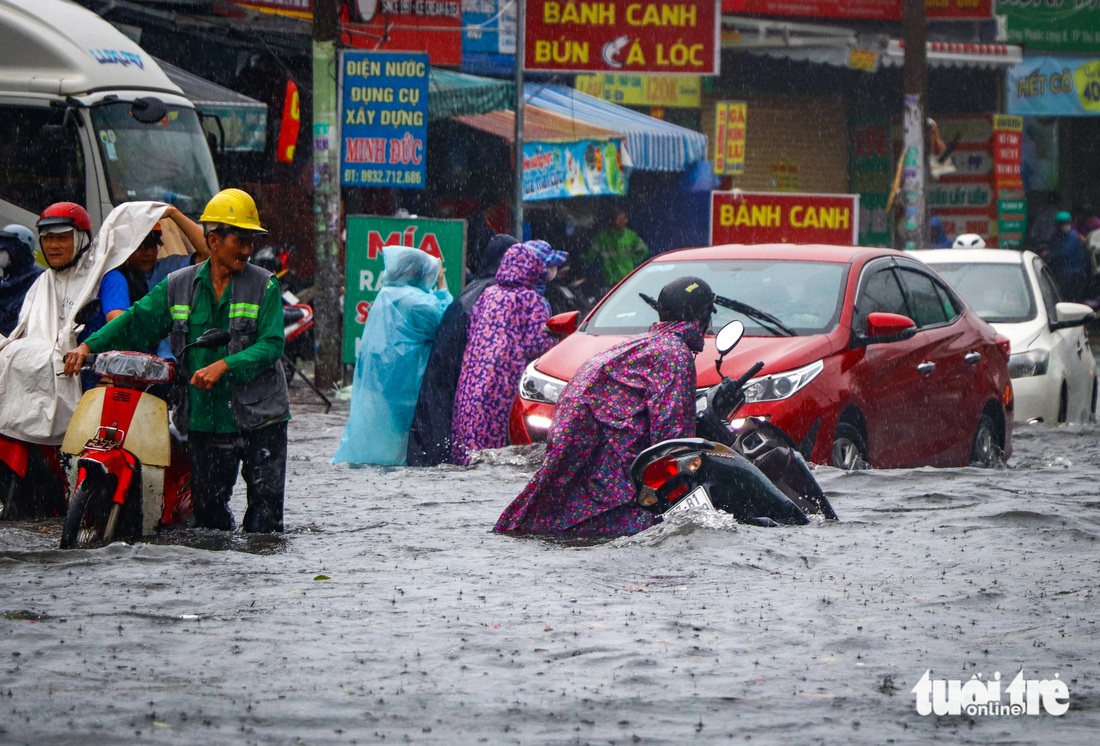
[1011,222]
[1052,25]
[870,176]
[367,234]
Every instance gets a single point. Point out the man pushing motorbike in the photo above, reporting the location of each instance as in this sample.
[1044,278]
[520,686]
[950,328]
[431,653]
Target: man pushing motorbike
[235,408]
[638,393]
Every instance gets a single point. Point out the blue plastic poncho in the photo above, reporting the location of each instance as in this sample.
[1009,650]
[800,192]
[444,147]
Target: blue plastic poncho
[397,339]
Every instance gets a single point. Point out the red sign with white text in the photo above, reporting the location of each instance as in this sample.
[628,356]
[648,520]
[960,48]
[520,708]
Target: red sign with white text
[432,26]
[623,36]
[760,217]
[877,10]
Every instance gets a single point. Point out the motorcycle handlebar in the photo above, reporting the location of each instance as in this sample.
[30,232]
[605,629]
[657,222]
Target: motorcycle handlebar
[749,374]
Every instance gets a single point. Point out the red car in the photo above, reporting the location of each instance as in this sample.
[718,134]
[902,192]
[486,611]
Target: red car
[870,359]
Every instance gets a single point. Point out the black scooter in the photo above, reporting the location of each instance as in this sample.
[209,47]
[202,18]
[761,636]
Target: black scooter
[754,472]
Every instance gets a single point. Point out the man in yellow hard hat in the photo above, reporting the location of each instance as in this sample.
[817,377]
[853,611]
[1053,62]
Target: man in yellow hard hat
[235,408]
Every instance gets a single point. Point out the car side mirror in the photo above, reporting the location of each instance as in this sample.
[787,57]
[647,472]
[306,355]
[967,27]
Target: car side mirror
[888,327]
[563,324]
[1072,314]
[148,109]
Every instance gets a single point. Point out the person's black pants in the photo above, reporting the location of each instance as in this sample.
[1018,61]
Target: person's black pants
[260,456]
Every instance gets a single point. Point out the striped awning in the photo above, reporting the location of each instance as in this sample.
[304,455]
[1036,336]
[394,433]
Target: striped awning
[451,93]
[654,145]
[539,125]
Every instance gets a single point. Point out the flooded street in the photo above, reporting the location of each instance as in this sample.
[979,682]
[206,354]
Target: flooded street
[389,614]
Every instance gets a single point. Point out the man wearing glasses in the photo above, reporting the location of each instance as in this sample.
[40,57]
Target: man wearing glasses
[235,408]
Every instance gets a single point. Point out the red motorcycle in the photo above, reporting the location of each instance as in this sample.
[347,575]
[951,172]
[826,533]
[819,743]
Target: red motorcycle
[133,475]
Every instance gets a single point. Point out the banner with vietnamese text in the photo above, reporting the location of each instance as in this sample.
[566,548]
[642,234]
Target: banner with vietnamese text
[1054,86]
[363,268]
[588,168]
[762,217]
[384,119]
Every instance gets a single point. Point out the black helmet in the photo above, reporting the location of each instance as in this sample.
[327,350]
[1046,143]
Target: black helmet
[686,299]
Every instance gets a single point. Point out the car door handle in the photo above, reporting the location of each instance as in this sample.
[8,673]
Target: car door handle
[973,357]
[926,368]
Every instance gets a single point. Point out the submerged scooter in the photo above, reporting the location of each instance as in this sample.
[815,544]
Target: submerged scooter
[133,475]
[753,472]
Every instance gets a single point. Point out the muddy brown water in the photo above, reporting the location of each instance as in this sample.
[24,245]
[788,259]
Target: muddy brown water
[389,614]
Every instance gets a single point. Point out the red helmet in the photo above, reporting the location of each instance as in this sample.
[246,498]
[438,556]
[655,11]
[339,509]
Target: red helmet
[65,213]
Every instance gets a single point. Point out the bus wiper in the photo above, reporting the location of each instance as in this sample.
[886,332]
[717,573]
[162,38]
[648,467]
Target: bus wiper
[771,323]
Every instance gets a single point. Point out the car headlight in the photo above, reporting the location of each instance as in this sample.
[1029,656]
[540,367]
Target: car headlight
[1030,363]
[540,387]
[777,386]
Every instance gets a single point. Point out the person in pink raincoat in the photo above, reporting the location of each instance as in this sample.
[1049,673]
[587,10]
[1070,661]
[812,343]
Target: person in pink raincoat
[619,403]
[507,331]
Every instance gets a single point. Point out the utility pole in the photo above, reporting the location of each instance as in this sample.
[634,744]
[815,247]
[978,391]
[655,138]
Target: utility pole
[914,232]
[328,279]
[517,194]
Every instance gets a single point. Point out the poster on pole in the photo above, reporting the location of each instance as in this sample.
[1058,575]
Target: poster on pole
[384,119]
[367,234]
[729,137]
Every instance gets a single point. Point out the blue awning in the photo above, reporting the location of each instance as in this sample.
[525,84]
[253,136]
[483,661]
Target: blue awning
[654,145]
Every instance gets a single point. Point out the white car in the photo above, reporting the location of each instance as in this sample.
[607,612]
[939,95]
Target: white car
[1053,370]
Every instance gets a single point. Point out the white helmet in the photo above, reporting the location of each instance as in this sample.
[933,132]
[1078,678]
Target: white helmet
[969,241]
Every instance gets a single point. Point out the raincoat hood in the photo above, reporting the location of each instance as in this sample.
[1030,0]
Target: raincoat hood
[691,332]
[490,257]
[35,403]
[20,260]
[408,266]
[520,268]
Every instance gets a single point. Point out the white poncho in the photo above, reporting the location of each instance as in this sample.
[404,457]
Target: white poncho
[35,403]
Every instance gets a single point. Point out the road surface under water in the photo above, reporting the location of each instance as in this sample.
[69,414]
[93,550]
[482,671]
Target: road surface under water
[389,614]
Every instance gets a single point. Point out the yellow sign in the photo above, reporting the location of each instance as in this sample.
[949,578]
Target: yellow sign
[729,137]
[644,90]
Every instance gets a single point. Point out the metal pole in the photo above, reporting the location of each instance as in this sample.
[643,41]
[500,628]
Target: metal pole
[517,195]
[914,232]
[328,279]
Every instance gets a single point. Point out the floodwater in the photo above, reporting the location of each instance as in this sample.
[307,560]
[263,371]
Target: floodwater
[389,614]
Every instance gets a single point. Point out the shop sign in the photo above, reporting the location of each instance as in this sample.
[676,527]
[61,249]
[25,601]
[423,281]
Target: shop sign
[1054,86]
[434,26]
[586,168]
[1008,135]
[876,10]
[1011,222]
[977,196]
[982,224]
[1052,25]
[871,177]
[367,234]
[384,119]
[627,36]
[489,26]
[673,91]
[729,137]
[760,217]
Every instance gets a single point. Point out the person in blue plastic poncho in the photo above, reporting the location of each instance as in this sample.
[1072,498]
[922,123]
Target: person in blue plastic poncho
[397,339]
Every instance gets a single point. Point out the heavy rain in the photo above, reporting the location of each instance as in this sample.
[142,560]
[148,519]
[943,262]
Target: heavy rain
[388,613]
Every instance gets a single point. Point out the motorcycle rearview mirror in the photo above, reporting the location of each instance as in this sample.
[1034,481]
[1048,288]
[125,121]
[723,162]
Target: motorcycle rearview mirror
[726,339]
[87,312]
[211,338]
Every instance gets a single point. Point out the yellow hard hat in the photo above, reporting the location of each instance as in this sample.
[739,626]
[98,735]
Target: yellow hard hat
[233,207]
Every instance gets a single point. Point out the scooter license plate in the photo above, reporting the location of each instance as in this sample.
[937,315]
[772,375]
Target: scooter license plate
[697,499]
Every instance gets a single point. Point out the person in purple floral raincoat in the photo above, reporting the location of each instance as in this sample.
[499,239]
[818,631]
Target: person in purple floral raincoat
[620,402]
[507,331]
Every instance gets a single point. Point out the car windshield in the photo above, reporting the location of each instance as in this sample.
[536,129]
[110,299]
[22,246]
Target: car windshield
[804,295]
[167,161]
[998,293]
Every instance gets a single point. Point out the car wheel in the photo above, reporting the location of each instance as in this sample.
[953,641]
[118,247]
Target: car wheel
[1063,404]
[986,451]
[849,450]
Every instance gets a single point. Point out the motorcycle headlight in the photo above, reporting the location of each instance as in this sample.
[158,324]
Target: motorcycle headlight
[540,387]
[1030,363]
[777,386]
